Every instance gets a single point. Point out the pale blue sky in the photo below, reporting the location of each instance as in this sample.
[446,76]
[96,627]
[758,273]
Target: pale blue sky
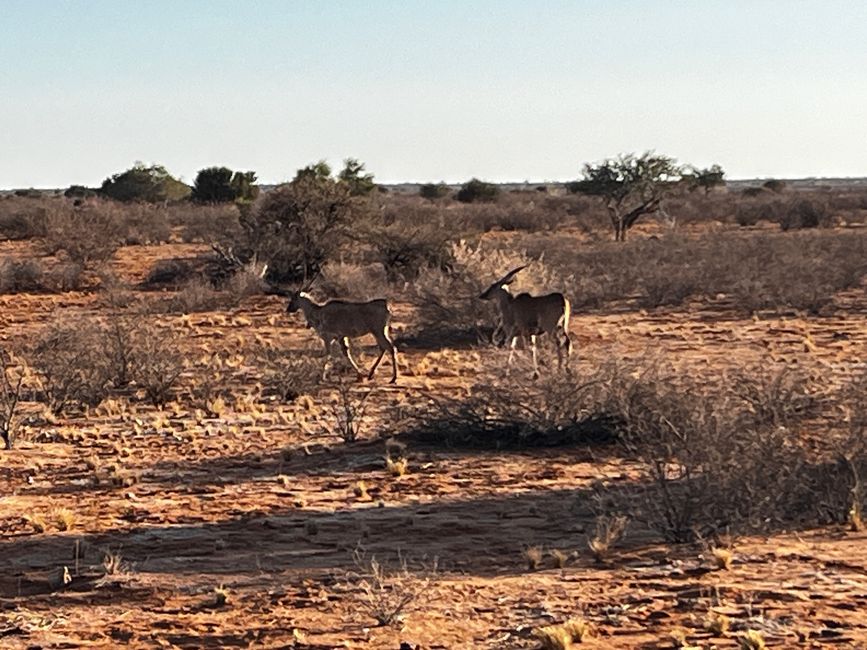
[447,89]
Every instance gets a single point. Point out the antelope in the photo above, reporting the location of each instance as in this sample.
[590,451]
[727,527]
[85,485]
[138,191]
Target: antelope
[529,316]
[340,320]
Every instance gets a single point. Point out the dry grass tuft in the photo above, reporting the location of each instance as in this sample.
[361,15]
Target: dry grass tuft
[563,636]
[221,596]
[534,555]
[63,518]
[751,640]
[609,531]
[360,491]
[722,558]
[37,522]
[717,624]
[561,558]
[397,467]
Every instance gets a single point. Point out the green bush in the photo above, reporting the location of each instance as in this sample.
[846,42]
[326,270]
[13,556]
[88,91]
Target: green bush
[433,191]
[476,190]
[140,183]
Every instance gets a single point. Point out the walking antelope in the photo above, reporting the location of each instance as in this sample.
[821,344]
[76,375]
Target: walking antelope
[529,316]
[340,320]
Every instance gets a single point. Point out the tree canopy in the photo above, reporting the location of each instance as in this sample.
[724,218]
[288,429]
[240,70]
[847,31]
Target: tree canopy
[630,186]
[151,184]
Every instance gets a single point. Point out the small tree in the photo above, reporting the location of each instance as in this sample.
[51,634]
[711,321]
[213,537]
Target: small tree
[318,170]
[774,185]
[631,186]
[213,185]
[79,192]
[433,191]
[244,186]
[476,190]
[140,183]
[705,179]
[353,175]
[299,226]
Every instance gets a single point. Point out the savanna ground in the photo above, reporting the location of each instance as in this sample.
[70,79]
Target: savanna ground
[229,511]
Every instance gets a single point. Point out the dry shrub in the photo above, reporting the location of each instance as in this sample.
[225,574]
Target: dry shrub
[805,213]
[761,271]
[70,365]
[88,234]
[159,362]
[285,374]
[353,281]
[145,224]
[204,223]
[388,592]
[11,383]
[21,276]
[562,407]
[348,409]
[411,239]
[169,273]
[197,295]
[712,460]
[24,218]
[448,304]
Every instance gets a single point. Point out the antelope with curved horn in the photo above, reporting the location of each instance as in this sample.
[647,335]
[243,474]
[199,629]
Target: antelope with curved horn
[340,320]
[529,316]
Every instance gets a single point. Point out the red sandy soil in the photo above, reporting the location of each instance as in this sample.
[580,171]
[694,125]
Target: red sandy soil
[261,500]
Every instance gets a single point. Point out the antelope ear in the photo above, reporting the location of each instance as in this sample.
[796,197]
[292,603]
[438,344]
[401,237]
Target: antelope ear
[510,276]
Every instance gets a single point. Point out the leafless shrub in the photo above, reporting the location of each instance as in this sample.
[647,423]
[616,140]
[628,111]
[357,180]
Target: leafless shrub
[70,365]
[145,223]
[775,397]
[348,410]
[199,223]
[168,273]
[561,407]
[447,302]
[411,240]
[11,381]
[710,462]
[353,281]
[159,362]
[88,234]
[389,592]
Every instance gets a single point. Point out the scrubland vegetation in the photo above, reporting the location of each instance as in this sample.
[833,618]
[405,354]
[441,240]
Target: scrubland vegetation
[145,346]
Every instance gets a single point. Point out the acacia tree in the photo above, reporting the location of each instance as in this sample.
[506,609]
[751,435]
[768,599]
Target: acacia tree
[353,175]
[631,186]
[705,179]
[222,185]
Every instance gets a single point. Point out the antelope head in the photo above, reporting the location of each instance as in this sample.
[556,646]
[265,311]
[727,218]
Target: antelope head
[501,285]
